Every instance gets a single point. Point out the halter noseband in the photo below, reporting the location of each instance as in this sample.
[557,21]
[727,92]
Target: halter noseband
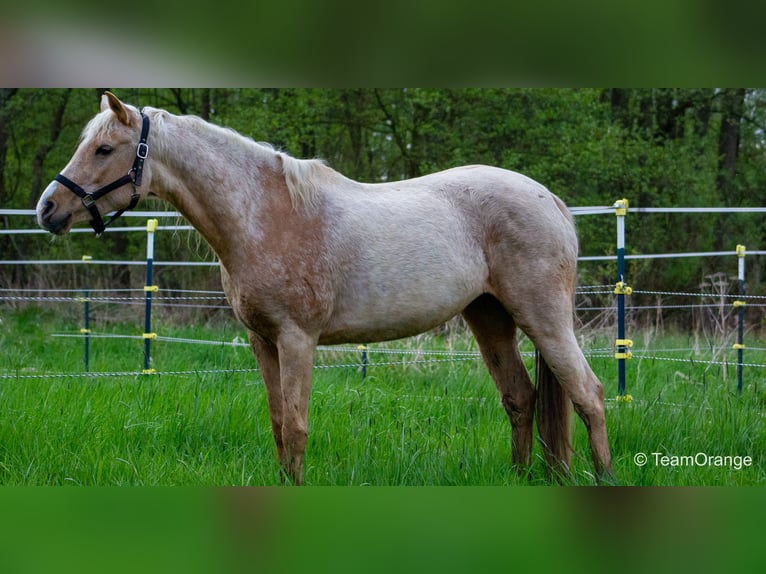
[133,177]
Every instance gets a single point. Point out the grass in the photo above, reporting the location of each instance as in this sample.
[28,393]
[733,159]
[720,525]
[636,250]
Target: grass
[428,423]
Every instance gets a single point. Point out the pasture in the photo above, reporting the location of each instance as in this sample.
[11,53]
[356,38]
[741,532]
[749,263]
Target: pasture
[418,418]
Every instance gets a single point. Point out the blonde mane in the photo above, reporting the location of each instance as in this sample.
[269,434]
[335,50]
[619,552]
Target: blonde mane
[304,177]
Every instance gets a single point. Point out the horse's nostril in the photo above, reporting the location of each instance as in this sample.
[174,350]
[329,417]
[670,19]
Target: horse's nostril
[48,208]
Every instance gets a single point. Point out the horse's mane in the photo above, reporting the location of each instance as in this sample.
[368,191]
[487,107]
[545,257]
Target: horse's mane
[304,177]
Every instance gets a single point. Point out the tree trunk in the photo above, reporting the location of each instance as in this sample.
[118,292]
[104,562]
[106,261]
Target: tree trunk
[732,108]
[5,96]
[399,138]
[205,104]
[353,111]
[619,100]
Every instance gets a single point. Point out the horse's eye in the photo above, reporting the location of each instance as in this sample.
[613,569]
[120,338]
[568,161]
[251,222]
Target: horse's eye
[104,150]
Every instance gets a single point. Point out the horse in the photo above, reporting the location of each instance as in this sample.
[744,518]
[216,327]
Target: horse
[309,257]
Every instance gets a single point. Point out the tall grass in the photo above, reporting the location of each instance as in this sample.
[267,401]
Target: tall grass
[420,423]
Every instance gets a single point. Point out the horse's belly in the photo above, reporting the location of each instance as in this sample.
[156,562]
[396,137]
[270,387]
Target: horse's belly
[375,326]
[410,301]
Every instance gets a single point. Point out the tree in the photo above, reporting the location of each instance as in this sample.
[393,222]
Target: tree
[732,109]
[45,145]
[6,94]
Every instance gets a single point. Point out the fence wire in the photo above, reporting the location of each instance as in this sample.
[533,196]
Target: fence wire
[186,300]
[198,299]
[419,357]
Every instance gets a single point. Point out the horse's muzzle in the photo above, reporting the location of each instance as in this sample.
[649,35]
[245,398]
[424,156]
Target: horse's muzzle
[49,220]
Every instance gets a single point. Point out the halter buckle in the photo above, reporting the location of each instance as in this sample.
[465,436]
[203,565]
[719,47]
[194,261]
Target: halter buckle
[87,200]
[142,151]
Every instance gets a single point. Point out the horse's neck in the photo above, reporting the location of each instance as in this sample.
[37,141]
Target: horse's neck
[221,185]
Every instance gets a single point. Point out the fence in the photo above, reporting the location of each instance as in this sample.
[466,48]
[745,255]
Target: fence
[622,350]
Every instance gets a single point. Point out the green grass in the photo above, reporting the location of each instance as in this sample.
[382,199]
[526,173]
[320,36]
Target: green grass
[437,423]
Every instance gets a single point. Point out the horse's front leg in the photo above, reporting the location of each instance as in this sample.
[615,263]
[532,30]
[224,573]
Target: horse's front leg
[268,361]
[296,359]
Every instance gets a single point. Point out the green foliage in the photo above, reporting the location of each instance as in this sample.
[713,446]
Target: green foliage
[657,147]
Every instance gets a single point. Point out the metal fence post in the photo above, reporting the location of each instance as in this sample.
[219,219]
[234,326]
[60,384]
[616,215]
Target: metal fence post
[151,227]
[622,345]
[740,306]
[86,326]
[363,349]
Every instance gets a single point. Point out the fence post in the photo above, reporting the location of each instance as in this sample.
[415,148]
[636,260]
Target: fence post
[740,306]
[86,328]
[622,345]
[151,227]
[363,349]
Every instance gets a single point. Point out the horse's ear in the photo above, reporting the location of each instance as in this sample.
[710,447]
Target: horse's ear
[109,100]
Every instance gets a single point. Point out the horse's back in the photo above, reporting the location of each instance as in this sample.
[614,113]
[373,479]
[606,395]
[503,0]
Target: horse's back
[502,206]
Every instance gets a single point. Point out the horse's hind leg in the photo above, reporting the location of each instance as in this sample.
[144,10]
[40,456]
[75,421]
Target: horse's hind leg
[571,369]
[549,324]
[495,332]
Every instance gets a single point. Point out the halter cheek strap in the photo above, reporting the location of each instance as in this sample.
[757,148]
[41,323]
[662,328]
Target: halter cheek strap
[133,177]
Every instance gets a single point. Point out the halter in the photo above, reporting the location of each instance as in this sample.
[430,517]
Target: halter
[133,177]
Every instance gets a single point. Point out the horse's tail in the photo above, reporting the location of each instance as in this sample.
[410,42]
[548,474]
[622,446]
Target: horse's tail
[553,417]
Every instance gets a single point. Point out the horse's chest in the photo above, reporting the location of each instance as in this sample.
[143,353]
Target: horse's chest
[268,295]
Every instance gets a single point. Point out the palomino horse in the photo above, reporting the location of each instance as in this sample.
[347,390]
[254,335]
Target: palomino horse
[311,257]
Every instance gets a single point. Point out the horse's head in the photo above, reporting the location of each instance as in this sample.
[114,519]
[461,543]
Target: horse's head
[105,174]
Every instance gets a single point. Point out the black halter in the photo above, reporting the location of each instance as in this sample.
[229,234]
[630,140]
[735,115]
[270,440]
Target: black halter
[133,177]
